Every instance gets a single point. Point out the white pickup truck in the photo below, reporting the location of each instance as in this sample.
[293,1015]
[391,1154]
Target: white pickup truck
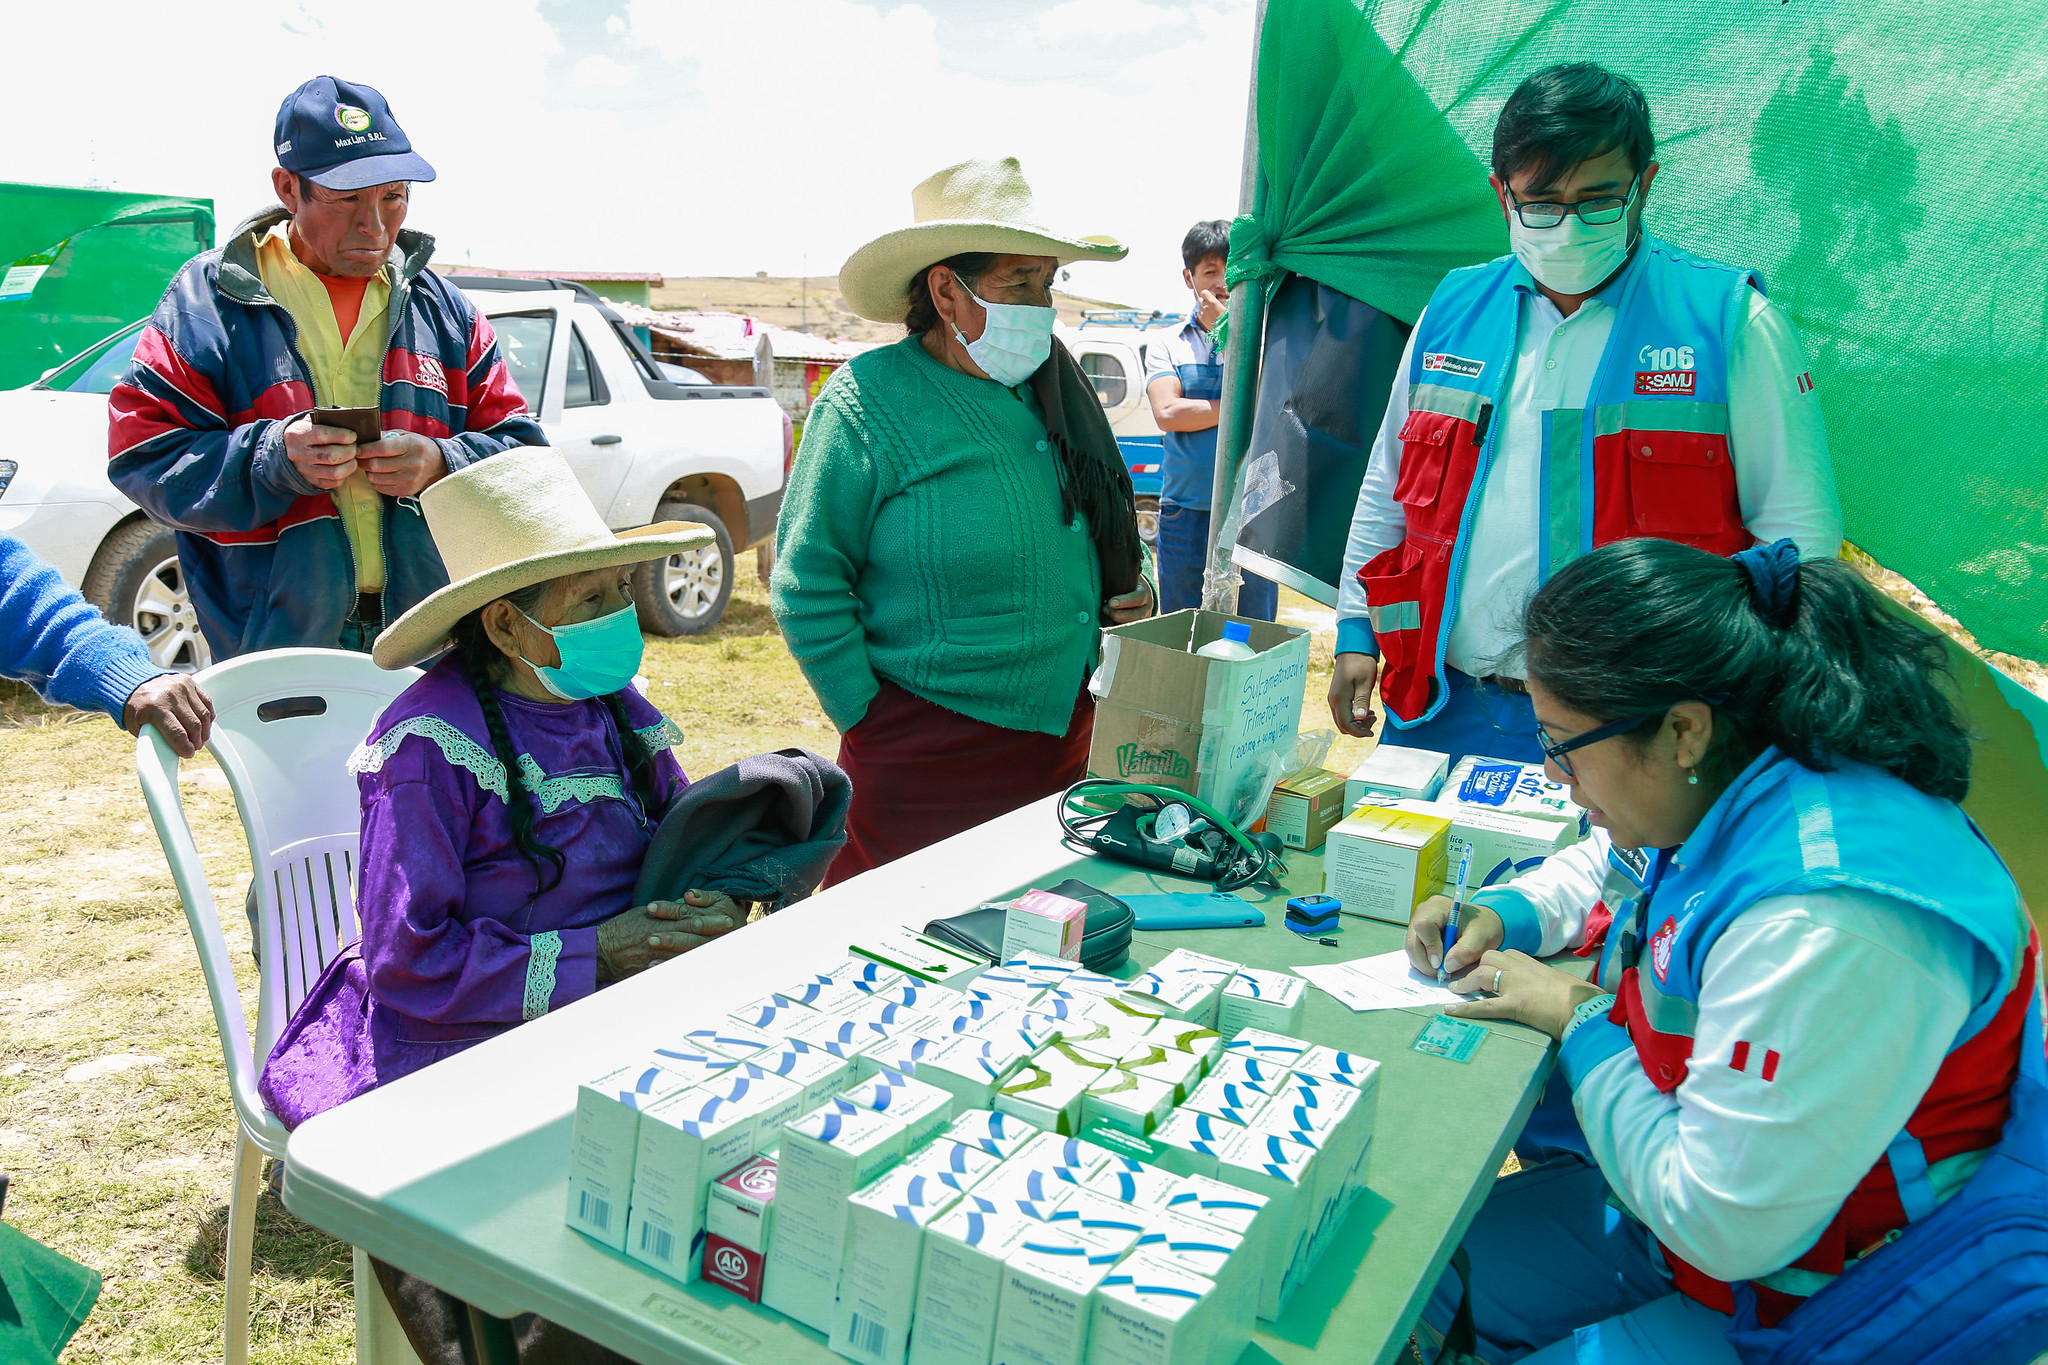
[646,448]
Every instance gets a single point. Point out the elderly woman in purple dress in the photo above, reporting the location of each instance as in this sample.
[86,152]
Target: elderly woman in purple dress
[508,795]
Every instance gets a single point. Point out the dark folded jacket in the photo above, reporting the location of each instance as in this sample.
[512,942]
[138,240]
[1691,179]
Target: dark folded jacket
[764,829]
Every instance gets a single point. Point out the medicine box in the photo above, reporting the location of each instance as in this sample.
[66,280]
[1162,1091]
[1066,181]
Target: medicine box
[739,1220]
[1239,1102]
[1154,1312]
[1509,787]
[1096,1038]
[1303,807]
[1000,1135]
[1046,1308]
[1278,1049]
[1503,846]
[605,1136]
[1345,1068]
[1190,1142]
[814,1071]
[1020,989]
[1128,1102]
[1382,863]
[903,949]
[826,1155]
[1257,998]
[903,1052]
[1078,1157]
[857,970]
[1217,1255]
[960,1282]
[1180,1071]
[1045,922]
[1264,1165]
[686,1141]
[772,1014]
[1205,1045]
[1184,995]
[884,1248]
[1046,1091]
[1392,773]
[1104,1220]
[1138,1183]
[923,1110]
[970,1067]
[954,1164]
[726,1038]
[842,1037]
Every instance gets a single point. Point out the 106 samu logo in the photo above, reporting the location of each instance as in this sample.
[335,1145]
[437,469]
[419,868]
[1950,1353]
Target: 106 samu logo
[1667,370]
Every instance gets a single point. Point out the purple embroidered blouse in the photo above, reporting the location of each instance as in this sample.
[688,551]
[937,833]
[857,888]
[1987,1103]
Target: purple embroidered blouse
[455,946]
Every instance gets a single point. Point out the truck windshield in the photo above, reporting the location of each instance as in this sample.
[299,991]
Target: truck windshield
[96,370]
[526,339]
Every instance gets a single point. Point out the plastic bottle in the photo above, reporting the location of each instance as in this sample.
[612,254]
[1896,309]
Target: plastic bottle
[1235,644]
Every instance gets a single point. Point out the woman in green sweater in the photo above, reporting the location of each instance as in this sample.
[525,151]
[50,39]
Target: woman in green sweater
[958,526]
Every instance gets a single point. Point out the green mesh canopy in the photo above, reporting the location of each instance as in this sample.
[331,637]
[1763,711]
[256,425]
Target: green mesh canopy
[1880,165]
[80,264]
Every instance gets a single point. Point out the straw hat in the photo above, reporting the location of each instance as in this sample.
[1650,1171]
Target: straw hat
[974,206]
[505,523]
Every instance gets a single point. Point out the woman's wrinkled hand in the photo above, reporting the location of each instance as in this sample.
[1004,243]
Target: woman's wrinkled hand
[1478,930]
[636,939]
[1135,605]
[1520,988]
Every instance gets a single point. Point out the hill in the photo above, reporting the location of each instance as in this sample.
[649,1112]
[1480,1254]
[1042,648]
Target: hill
[814,305]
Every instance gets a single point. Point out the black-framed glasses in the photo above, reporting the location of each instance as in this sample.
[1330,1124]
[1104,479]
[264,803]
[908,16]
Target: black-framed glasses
[1592,212]
[1556,751]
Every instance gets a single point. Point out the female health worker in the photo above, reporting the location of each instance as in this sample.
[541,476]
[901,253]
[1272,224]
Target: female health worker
[1809,1067]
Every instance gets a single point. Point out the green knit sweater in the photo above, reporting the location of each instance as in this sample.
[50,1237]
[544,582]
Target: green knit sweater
[921,541]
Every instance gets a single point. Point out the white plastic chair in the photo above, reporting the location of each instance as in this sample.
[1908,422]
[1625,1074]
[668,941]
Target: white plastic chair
[285,722]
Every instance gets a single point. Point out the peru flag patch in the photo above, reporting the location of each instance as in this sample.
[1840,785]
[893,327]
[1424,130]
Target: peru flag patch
[1740,1058]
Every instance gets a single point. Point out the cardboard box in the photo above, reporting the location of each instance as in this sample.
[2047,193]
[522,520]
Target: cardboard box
[826,1155]
[1000,1135]
[1391,773]
[1503,846]
[1046,1307]
[1257,998]
[605,1136]
[1221,729]
[1383,863]
[923,1110]
[686,1141]
[960,1282]
[1045,922]
[1131,1103]
[884,1250]
[1511,788]
[1303,807]
[1156,1312]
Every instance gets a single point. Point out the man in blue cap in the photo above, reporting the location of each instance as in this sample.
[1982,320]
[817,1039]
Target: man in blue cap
[293,531]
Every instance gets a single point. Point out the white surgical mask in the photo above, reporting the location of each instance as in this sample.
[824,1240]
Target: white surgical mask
[1014,342]
[1574,256]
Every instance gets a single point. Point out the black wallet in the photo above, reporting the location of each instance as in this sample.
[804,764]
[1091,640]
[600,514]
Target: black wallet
[1105,936]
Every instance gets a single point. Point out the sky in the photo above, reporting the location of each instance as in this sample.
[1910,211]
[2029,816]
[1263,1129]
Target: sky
[685,136]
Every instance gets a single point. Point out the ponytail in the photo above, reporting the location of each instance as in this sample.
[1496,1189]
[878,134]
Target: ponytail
[1805,657]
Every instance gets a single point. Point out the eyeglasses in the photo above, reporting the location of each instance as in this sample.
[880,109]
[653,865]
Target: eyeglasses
[1593,212]
[1555,751]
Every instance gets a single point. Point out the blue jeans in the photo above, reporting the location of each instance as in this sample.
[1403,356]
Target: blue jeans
[1558,1276]
[1477,718]
[1183,554]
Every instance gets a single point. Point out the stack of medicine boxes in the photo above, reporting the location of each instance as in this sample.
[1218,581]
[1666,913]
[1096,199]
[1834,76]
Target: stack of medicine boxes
[935,1204]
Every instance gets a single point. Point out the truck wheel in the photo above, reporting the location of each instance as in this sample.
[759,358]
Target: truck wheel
[136,580]
[1148,520]
[686,593]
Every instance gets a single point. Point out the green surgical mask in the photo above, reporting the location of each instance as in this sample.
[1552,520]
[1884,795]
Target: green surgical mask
[598,657]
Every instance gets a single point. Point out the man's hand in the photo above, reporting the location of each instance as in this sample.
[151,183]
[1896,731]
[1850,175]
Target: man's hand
[1135,605]
[1351,684]
[636,939]
[323,455]
[1213,304]
[402,463]
[176,706]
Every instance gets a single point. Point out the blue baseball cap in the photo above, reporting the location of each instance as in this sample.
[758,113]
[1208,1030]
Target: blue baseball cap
[341,135]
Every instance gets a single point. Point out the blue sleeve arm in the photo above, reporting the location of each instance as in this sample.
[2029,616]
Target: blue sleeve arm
[1354,636]
[58,643]
[1589,1044]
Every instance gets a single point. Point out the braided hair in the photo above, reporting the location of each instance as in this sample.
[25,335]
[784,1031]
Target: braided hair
[486,667]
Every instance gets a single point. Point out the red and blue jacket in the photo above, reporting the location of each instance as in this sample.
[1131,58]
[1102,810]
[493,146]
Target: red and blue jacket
[196,438]
[1646,456]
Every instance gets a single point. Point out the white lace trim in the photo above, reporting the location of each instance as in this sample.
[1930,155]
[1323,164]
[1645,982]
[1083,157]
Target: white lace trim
[458,748]
[659,736]
[546,951]
[555,792]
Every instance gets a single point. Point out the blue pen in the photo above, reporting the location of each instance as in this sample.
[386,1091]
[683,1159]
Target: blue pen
[1457,905]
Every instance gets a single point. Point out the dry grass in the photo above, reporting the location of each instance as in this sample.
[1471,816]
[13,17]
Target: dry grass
[129,1172]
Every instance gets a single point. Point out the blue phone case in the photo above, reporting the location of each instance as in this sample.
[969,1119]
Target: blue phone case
[1194,910]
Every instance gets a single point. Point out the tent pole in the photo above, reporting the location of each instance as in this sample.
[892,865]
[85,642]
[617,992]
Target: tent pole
[1240,364]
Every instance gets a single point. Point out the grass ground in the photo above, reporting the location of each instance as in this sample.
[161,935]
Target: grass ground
[114,1113]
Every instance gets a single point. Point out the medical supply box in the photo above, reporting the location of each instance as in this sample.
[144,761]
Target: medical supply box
[1304,805]
[1392,773]
[1382,863]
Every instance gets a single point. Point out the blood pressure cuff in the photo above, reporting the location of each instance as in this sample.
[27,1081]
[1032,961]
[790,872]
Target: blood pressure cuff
[1105,937]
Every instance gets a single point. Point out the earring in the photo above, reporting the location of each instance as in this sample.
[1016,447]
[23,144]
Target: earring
[1692,779]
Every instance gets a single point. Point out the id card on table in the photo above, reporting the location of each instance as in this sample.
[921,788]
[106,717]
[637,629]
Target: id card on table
[1454,1040]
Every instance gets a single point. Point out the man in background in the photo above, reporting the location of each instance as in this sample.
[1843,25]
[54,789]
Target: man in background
[1184,384]
[294,531]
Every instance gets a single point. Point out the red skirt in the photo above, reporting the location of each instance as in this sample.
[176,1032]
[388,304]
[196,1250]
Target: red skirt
[922,773]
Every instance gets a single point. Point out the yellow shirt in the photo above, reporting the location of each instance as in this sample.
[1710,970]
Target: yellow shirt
[348,372]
